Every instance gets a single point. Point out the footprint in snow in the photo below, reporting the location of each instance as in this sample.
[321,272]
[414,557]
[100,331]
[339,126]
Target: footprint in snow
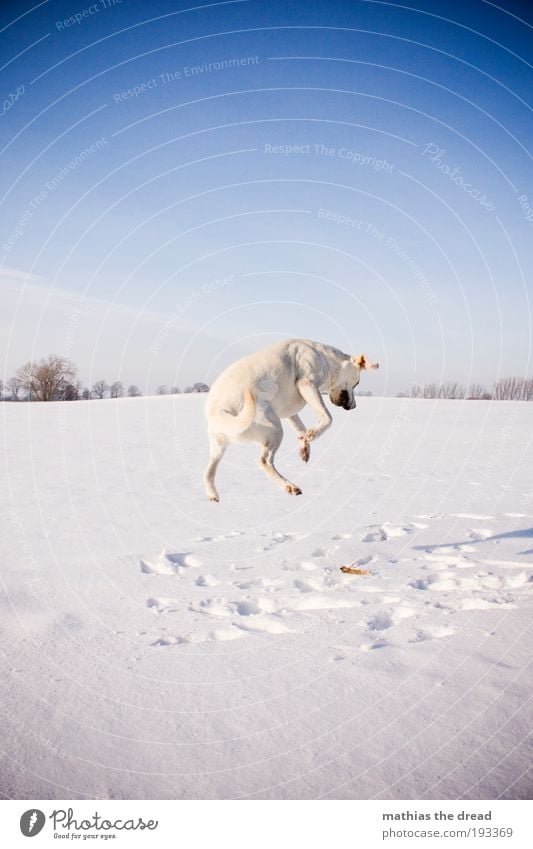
[216,635]
[381,533]
[377,643]
[450,549]
[440,581]
[519,580]
[397,530]
[485,604]
[265,625]
[260,583]
[482,590]
[443,561]
[318,583]
[472,516]
[275,539]
[385,619]
[433,632]
[272,613]
[479,533]
[169,563]
[251,607]
[221,537]
[369,558]
[163,605]
[252,614]
[206,581]
[303,566]
[169,641]
[374,536]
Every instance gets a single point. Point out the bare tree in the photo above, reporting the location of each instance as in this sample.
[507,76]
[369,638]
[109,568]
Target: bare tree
[46,380]
[1,390]
[116,390]
[174,390]
[501,389]
[506,389]
[452,390]
[71,391]
[99,389]
[134,391]
[498,390]
[162,390]
[200,387]
[15,387]
[86,394]
[188,390]
[476,391]
[513,389]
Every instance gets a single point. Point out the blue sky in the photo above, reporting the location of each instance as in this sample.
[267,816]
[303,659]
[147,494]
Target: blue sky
[182,187]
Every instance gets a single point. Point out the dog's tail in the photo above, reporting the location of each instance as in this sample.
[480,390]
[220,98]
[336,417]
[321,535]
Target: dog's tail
[241,422]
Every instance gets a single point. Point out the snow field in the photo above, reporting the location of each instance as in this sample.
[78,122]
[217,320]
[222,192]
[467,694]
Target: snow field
[156,645]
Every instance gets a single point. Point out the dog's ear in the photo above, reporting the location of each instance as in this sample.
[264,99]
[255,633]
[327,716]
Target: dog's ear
[363,363]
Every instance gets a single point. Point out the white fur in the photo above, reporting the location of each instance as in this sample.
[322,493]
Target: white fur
[249,399]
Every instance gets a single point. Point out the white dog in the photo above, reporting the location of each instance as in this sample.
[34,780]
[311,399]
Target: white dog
[249,399]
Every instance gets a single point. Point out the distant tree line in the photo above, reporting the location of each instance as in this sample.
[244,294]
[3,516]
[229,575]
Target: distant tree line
[504,389]
[173,390]
[54,378]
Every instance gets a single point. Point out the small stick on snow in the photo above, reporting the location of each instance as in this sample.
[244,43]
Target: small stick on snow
[350,570]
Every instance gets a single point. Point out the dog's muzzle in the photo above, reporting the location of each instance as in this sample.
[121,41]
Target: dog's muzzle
[342,399]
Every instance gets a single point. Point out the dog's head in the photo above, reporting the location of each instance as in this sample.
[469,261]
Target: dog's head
[342,393]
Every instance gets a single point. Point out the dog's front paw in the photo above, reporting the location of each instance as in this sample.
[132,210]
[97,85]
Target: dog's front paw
[305,451]
[309,435]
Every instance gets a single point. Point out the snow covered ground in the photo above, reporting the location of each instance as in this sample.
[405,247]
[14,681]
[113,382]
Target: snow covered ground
[157,645]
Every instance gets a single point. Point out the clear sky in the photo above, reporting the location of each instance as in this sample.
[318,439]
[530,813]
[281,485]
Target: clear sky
[182,183]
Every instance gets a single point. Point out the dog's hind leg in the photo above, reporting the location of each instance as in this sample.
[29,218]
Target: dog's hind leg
[217,449]
[266,461]
[305,449]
